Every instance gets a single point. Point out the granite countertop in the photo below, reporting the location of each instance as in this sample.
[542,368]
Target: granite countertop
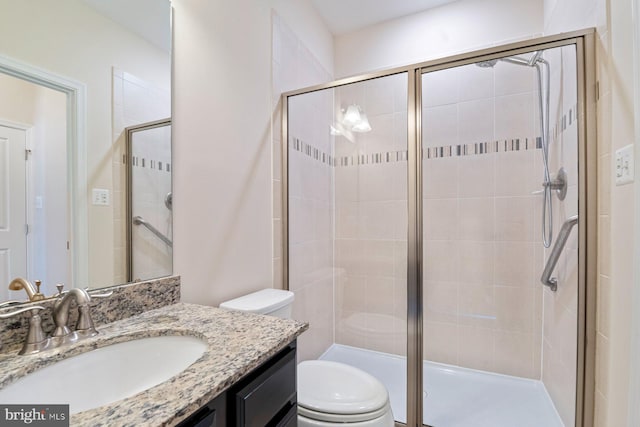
[237,343]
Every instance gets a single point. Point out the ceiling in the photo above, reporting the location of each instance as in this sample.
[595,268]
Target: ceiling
[344,16]
[150,19]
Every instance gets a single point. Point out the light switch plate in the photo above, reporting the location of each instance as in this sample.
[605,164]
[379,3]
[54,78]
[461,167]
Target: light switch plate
[101,197]
[624,165]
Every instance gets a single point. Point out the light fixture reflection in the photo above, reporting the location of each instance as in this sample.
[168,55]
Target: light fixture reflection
[363,125]
[352,117]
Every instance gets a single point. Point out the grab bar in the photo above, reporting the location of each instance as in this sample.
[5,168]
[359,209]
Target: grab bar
[138,220]
[546,278]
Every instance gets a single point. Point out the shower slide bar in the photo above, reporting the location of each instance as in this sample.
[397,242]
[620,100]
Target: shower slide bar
[565,231]
[138,220]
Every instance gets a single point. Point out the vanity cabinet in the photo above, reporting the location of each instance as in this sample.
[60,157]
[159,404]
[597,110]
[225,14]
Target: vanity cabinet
[264,397]
[213,414]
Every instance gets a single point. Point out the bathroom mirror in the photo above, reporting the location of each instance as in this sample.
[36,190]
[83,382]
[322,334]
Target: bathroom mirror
[74,75]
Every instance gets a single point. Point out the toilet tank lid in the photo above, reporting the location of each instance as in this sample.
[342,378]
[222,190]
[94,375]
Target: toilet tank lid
[262,302]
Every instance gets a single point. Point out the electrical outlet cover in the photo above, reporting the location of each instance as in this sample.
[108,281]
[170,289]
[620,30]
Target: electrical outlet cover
[624,165]
[100,197]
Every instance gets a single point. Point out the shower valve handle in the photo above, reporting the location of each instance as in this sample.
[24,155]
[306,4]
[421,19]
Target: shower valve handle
[559,183]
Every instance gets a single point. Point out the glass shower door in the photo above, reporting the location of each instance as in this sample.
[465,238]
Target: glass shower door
[498,345]
[347,213]
[149,201]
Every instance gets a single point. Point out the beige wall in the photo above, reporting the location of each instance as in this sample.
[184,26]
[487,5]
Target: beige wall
[223,180]
[17,100]
[311,205]
[460,26]
[70,39]
[617,219]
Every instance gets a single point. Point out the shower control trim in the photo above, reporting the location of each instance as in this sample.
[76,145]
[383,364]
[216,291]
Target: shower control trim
[559,184]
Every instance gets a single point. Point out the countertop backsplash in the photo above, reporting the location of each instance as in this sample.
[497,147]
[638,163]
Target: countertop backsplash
[127,300]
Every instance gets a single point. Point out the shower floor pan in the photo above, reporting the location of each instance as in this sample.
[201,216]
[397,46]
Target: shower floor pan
[457,397]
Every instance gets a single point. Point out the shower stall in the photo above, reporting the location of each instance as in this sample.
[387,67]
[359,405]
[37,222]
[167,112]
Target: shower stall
[438,232]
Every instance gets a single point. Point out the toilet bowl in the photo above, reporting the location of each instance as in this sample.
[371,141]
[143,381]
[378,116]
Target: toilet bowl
[329,393]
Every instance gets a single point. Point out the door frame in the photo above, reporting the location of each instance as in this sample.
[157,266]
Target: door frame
[584,40]
[76,94]
[634,364]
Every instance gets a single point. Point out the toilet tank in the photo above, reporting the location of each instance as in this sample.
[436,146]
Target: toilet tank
[273,302]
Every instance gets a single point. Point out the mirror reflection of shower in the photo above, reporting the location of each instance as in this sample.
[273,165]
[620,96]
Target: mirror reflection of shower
[149,201]
[559,183]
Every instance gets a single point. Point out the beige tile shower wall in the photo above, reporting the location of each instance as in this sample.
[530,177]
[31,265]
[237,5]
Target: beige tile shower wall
[134,102]
[561,307]
[482,301]
[371,219]
[311,273]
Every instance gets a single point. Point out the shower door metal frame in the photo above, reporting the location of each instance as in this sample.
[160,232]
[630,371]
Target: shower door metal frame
[584,41]
[127,161]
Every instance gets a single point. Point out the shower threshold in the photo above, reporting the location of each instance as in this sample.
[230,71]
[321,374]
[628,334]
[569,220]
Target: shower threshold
[454,396]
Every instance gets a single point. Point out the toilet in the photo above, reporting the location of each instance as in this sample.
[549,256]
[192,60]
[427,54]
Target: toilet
[329,393]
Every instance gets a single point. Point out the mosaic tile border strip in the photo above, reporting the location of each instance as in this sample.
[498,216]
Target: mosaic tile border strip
[374,158]
[313,152]
[471,149]
[143,162]
[477,148]
[567,119]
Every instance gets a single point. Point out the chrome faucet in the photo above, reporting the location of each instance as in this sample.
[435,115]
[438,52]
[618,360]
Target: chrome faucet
[84,328]
[36,340]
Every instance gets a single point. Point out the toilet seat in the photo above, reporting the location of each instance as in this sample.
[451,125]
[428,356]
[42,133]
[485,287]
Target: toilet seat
[342,418]
[336,392]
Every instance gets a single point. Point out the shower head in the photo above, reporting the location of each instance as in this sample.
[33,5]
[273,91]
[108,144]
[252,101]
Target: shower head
[487,64]
[535,58]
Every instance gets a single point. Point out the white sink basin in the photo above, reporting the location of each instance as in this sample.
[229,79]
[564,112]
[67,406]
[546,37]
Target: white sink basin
[107,374]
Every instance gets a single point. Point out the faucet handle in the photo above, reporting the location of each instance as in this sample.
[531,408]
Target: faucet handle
[38,295]
[102,295]
[59,287]
[36,339]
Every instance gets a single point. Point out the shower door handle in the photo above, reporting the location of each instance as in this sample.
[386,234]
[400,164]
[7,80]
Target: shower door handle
[565,231]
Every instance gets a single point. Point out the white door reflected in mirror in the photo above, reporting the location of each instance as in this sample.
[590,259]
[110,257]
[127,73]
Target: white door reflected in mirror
[13,215]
